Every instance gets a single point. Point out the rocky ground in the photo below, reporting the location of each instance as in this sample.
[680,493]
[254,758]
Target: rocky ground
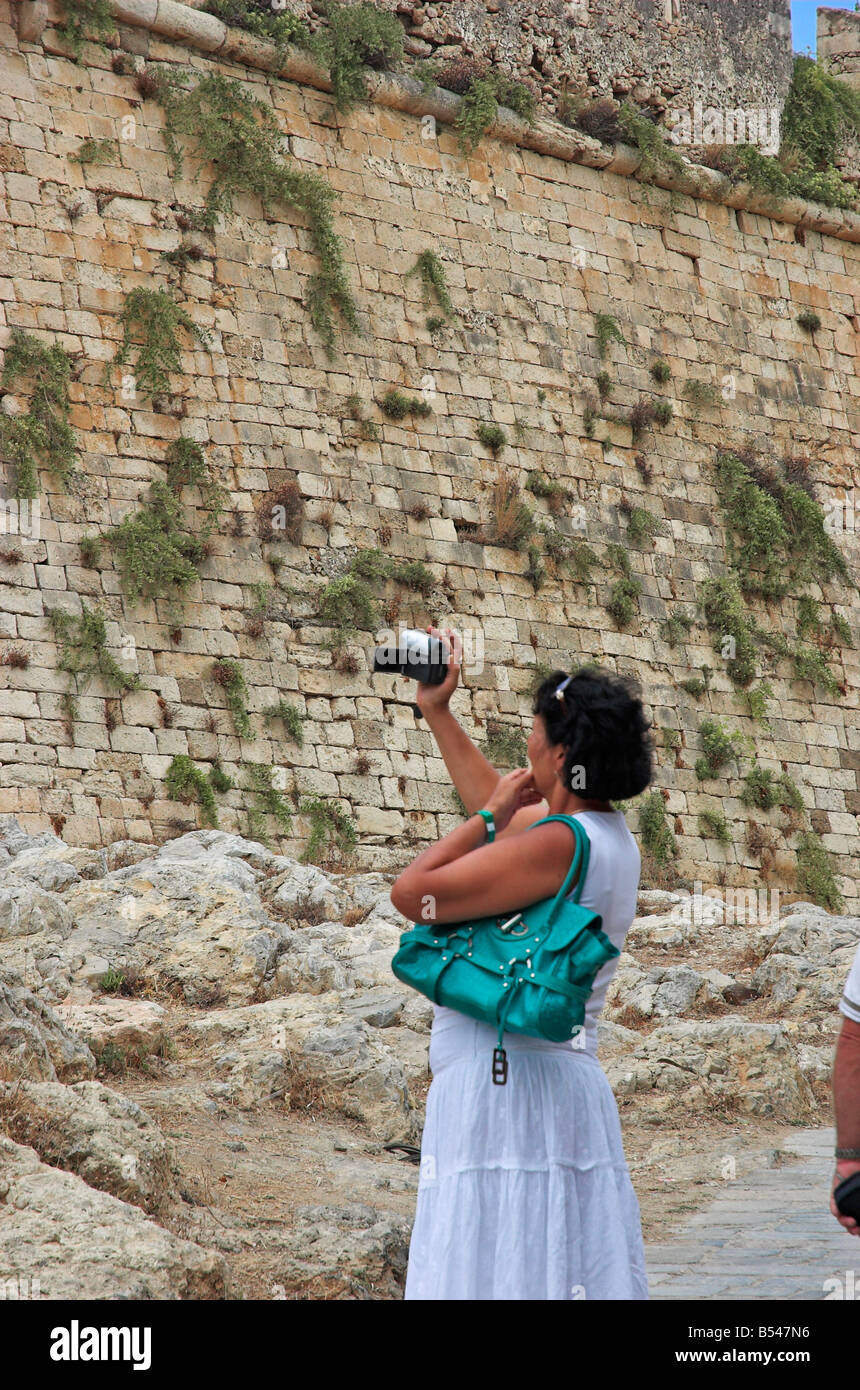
[211,1085]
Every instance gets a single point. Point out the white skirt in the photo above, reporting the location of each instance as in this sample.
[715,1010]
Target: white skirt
[523,1191]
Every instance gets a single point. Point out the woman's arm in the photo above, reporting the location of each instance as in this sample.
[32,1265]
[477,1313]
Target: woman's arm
[474,777]
[462,877]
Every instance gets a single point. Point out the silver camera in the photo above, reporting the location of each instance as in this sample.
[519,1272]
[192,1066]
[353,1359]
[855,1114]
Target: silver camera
[415,654]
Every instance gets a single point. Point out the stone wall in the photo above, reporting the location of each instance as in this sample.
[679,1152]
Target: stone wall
[838,43]
[534,246]
[667,53]
[838,47]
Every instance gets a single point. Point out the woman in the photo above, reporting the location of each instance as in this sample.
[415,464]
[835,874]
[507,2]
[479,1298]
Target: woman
[523,1190]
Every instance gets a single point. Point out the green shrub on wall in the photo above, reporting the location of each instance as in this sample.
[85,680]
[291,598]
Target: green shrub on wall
[155,556]
[657,837]
[820,117]
[333,832]
[483,89]
[225,126]
[731,630]
[815,873]
[82,640]
[434,281]
[185,782]
[268,801]
[85,19]
[263,20]
[150,322]
[355,37]
[776,531]
[187,466]
[228,674]
[42,434]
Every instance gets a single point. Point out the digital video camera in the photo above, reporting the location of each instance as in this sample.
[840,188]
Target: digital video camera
[414,654]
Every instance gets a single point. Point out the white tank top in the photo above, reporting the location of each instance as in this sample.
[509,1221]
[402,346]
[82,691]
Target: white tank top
[610,888]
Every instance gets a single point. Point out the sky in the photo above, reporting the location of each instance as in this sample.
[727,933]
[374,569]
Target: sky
[803,20]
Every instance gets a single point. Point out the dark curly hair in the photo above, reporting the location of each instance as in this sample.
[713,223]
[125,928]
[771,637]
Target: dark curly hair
[601,722]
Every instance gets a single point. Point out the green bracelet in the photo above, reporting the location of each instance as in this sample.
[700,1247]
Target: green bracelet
[491,825]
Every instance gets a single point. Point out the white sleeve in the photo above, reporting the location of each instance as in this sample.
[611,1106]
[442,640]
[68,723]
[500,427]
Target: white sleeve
[850,1002]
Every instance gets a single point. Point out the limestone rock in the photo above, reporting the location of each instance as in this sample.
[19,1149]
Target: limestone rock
[14,840]
[664,991]
[752,1065]
[332,956]
[268,1049]
[816,1063]
[807,930]
[353,1251]
[80,1243]
[613,1040]
[135,1024]
[809,956]
[188,917]
[34,1041]
[682,922]
[28,910]
[90,1130]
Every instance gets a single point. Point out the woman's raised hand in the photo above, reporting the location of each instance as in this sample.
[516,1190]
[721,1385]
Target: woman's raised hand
[434,697]
[513,791]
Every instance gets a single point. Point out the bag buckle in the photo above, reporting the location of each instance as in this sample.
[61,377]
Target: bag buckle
[509,925]
[500,1066]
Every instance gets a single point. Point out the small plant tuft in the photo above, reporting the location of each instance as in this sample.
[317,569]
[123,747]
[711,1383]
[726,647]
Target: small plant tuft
[397,405]
[42,434]
[432,271]
[760,788]
[333,832]
[657,837]
[268,801]
[290,716]
[701,394]
[150,321]
[809,321]
[185,782]
[714,824]
[607,332]
[228,675]
[505,745]
[719,747]
[815,872]
[492,437]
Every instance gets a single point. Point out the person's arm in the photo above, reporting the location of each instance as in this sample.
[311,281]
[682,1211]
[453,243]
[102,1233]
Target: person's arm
[474,777]
[462,877]
[846,1105]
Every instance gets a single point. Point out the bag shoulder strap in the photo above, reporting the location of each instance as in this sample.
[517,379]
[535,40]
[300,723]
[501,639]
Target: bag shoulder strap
[580,860]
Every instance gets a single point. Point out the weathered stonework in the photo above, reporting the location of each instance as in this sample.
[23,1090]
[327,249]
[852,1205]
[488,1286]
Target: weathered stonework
[667,53]
[838,43]
[838,47]
[534,247]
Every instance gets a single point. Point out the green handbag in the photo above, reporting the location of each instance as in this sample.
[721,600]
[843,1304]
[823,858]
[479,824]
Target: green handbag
[528,973]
